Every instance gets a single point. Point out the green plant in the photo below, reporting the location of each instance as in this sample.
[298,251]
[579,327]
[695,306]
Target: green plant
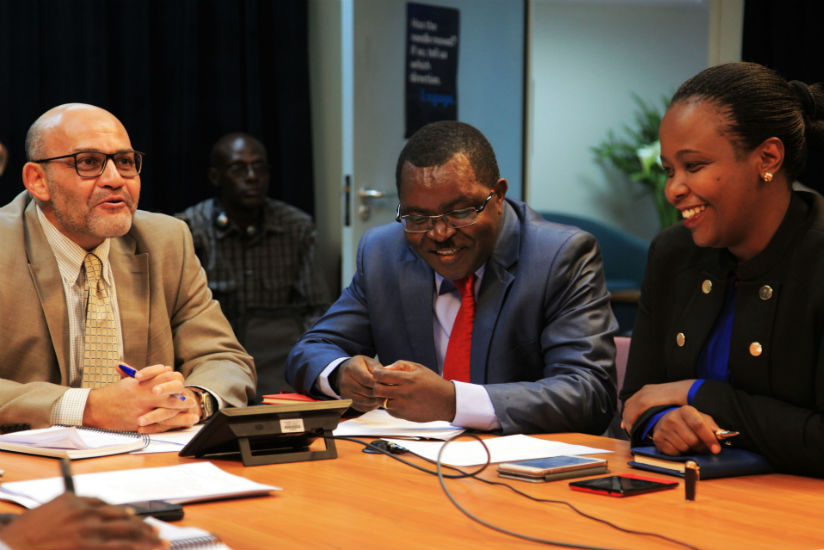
[637,155]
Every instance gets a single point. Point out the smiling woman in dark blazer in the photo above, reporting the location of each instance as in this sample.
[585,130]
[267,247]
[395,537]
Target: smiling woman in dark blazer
[730,332]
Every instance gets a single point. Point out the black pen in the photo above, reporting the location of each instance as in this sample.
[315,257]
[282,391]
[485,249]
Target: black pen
[692,474]
[65,468]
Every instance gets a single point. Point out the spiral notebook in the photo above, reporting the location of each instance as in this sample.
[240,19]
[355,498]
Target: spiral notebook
[186,538]
[72,442]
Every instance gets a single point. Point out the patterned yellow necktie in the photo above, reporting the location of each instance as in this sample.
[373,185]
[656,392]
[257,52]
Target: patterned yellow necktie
[100,349]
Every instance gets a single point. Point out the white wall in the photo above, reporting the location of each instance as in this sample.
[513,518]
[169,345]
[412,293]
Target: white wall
[325,69]
[587,58]
[490,96]
[491,78]
[489,81]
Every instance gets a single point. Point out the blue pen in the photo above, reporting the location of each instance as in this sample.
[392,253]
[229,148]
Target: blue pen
[131,372]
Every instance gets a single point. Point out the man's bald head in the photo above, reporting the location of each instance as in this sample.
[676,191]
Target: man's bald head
[54,118]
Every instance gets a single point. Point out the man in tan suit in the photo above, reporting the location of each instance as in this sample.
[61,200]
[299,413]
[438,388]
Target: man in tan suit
[83,185]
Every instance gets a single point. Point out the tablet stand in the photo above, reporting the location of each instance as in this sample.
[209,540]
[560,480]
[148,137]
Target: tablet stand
[270,434]
[274,455]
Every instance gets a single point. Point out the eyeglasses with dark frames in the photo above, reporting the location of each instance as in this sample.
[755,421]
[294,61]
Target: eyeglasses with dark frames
[417,223]
[91,164]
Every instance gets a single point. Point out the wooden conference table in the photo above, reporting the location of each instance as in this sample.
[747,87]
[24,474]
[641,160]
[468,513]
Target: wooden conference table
[368,501]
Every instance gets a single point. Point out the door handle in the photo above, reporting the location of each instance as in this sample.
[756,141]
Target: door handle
[367,195]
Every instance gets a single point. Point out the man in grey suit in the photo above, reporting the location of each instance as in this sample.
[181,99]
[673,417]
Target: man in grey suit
[82,188]
[541,352]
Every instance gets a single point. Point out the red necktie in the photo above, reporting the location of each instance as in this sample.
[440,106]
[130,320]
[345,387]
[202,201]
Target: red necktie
[459,349]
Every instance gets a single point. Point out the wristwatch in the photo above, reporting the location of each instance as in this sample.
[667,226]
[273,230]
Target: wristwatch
[208,404]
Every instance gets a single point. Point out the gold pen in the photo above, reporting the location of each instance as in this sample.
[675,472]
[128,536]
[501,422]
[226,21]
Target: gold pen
[724,436]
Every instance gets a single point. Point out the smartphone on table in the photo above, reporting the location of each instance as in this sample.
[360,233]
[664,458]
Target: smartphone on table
[159,509]
[622,485]
[551,468]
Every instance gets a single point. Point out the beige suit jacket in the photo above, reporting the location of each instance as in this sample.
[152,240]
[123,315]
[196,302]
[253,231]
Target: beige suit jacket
[167,314]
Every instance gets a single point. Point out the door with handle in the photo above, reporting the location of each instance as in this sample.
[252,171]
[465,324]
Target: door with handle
[490,97]
[375,201]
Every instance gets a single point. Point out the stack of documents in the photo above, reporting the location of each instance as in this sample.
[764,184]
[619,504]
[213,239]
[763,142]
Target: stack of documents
[72,442]
[171,441]
[379,423]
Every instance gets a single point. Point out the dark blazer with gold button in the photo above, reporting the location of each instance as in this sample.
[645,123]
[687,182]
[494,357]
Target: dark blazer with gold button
[776,396]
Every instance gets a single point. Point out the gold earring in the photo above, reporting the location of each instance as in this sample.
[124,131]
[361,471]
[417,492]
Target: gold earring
[767,177]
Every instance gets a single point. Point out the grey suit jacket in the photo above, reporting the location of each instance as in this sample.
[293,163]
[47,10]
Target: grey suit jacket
[543,336]
[167,314]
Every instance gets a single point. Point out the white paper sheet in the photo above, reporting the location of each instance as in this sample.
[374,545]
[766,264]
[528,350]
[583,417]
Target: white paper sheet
[379,423]
[169,442]
[507,448]
[183,483]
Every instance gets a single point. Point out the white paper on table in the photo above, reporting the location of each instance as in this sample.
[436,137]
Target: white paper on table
[379,423]
[506,448]
[169,442]
[179,484]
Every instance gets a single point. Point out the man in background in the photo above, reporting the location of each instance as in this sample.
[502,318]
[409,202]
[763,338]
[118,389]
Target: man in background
[90,281]
[258,254]
[480,312]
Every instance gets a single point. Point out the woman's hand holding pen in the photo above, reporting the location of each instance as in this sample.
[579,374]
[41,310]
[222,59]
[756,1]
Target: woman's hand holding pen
[681,430]
[684,430]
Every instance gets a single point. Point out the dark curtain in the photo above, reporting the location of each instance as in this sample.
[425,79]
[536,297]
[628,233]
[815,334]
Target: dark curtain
[787,36]
[177,73]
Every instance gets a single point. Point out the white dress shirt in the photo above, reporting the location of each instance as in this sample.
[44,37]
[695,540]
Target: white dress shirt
[473,406]
[69,409]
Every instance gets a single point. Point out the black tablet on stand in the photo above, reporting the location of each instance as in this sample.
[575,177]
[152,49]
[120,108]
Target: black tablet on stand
[269,434]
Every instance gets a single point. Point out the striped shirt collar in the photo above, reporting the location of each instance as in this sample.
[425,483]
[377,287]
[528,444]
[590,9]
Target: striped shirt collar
[69,254]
